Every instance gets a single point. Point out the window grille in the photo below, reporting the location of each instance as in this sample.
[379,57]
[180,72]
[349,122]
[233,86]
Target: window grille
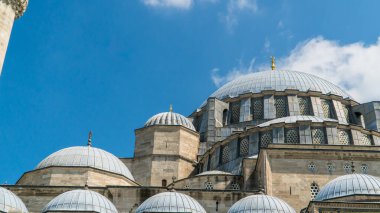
[318,136]
[366,140]
[364,168]
[330,167]
[281,106]
[292,136]
[304,105]
[186,187]
[225,154]
[257,108]
[347,113]
[244,146]
[235,112]
[265,138]
[209,185]
[347,168]
[344,137]
[314,189]
[327,108]
[235,186]
[312,167]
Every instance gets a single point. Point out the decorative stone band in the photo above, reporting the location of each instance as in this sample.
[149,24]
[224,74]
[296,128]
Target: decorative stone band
[19,6]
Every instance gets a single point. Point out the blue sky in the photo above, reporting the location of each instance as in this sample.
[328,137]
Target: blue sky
[107,66]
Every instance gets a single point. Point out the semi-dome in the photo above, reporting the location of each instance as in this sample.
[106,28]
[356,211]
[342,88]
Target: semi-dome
[80,200]
[9,202]
[278,80]
[294,119]
[170,202]
[261,203]
[352,184]
[86,156]
[169,118]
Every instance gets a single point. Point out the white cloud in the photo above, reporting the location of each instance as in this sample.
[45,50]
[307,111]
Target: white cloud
[234,7]
[179,4]
[354,67]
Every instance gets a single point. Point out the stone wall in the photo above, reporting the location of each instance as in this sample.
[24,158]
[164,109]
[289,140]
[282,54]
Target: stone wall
[127,199]
[290,171]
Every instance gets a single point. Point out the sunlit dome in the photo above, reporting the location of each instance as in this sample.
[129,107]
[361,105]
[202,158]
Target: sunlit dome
[261,203]
[80,201]
[170,202]
[9,202]
[170,119]
[86,156]
[352,184]
[278,80]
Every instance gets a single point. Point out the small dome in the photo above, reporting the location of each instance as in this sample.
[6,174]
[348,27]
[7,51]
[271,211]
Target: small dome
[294,119]
[170,202]
[170,118]
[351,184]
[278,80]
[261,203]
[9,202]
[79,201]
[213,172]
[86,156]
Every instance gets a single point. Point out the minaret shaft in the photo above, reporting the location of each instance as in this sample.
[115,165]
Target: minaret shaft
[7,17]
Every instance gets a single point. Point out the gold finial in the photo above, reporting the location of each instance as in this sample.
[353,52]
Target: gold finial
[89,141]
[273,63]
[171,108]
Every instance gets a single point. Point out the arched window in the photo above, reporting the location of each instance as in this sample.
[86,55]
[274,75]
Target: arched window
[328,109]
[225,116]
[304,105]
[344,137]
[281,105]
[318,135]
[235,112]
[164,183]
[257,106]
[209,185]
[292,136]
[314,189]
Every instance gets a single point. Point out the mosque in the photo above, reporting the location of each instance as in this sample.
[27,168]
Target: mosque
[271,141]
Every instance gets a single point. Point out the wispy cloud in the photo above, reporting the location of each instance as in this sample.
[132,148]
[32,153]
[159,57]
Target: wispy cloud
[236,72]
[234,7]
[354,67]
[178,4]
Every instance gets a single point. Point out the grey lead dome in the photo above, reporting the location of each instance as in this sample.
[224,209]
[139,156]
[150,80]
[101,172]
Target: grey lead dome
[261,203]
[278,80]
[86,156]
[80,201]
[9,202]
[170,202]
[168,119]
[351,184]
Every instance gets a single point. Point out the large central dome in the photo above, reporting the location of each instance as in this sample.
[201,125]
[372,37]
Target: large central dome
[278,80]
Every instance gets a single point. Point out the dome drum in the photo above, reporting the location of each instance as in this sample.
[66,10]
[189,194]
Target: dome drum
[302,130]
[76,166]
